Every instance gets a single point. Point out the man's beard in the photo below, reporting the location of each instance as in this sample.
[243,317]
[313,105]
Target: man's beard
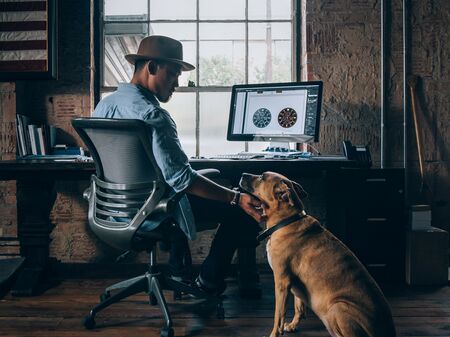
[164,99]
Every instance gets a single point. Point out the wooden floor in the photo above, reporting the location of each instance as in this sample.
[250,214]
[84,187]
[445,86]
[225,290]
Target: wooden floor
[418,311]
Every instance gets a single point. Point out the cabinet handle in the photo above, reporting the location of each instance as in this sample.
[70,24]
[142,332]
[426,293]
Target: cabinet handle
[375,180]
[377,265]
[376,219]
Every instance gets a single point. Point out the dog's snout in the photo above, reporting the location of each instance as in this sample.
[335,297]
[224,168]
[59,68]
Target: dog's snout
[246,182]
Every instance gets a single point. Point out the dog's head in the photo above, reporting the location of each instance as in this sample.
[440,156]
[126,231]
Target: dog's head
[274,190]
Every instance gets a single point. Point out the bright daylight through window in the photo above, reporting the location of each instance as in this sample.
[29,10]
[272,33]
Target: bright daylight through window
[230,42]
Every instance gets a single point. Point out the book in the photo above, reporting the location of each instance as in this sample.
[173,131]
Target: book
[41,141]
[32,134]
[21,145]
[67,150]
[34,138]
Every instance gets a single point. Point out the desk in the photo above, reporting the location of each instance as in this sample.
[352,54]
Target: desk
[36,195]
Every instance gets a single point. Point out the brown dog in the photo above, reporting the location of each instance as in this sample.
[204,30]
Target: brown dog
[315,266]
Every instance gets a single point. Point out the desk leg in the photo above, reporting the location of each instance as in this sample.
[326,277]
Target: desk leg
[35,199]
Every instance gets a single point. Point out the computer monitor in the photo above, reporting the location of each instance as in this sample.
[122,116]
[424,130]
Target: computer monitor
[275,112]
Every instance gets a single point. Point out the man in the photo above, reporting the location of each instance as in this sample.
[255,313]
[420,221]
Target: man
[158,64]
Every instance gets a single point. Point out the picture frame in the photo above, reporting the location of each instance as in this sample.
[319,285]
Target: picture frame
[28,31]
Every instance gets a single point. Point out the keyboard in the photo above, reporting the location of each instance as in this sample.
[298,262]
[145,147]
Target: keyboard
[277,156]
[238,156]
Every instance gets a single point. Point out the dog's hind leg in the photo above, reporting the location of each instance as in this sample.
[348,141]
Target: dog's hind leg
[281,294]
[299,313]
[344,323]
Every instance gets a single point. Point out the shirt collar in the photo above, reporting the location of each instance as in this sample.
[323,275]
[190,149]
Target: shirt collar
[131,87]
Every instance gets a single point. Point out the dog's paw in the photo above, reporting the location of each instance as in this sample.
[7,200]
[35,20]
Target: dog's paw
[290,327]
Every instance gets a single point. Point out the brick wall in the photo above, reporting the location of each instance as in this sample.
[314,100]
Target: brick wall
[343,50]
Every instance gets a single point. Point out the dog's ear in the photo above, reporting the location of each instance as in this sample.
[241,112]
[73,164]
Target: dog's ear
[284,193]
[299,190]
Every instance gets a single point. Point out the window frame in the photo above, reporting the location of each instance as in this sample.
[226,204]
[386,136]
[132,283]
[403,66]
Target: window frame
[99,57]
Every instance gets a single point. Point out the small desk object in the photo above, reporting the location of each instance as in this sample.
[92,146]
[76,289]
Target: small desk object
[36,195]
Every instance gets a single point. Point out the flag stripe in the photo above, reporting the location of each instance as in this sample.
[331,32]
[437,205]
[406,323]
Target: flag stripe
[34,65]
[18,0]
[23,16]
[23,36]
[22,55]
[23,6]
[21,26]
[23,45]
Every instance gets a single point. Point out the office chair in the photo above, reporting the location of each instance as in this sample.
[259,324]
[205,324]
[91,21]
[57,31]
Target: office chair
[127,189]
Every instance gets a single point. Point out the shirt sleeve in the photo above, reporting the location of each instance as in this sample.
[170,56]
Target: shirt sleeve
[169,155]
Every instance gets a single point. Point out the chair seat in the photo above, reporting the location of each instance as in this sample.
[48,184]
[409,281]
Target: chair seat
[145,239]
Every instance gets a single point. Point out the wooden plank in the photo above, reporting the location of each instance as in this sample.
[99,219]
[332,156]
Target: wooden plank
[417,311]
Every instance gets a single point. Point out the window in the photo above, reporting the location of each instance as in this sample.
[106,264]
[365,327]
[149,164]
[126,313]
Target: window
[229,42]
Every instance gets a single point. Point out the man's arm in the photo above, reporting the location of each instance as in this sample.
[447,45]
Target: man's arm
[208,189]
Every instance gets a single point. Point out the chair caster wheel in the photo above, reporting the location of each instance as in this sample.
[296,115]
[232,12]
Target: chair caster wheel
[153,300]
[177,296]
[167,332]
[105,296]
[89,322]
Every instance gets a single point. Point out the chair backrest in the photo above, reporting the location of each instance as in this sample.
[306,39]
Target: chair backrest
[128,184]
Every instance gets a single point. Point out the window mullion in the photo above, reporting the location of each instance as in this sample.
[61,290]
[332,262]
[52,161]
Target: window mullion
[246,55]
[148,16]
[197,93]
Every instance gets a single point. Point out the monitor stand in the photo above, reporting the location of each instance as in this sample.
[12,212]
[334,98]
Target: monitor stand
[280,149]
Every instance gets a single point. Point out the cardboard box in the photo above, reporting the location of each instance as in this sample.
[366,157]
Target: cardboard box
[427,257]
[420,217]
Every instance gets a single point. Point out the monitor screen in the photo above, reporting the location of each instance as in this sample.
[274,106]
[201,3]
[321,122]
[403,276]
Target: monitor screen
[288,112]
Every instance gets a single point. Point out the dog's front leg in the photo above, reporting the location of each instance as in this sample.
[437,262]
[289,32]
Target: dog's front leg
[300,312]
[281,294]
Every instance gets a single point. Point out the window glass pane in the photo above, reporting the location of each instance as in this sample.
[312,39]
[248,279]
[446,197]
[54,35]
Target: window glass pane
[116,68]
[182,109]
[219,9]
[269,52]
[269,9]
[172,9]
[186,34]
[214,111]
[222,54]
[125,10]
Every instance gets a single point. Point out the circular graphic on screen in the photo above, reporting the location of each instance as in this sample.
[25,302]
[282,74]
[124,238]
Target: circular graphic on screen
[287,117]
[262,118]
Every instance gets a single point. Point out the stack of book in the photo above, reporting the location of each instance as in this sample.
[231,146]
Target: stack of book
[39,141]
[34,139]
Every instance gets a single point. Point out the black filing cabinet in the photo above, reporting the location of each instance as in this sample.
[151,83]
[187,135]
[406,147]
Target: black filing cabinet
[366,211]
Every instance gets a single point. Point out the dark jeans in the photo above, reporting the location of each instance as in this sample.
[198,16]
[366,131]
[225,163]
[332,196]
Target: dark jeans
[235,229]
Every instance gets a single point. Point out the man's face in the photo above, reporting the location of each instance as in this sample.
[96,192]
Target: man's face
[166,80]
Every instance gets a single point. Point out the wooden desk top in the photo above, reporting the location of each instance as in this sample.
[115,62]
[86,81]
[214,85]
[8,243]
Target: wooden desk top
[72,170]
[45,168]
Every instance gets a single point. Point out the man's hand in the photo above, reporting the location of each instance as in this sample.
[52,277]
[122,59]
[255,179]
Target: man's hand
[251,206]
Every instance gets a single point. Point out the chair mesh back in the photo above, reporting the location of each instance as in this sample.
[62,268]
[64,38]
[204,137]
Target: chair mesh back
[122,155]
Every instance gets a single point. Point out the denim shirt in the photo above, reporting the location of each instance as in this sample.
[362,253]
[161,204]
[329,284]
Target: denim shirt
[133,101]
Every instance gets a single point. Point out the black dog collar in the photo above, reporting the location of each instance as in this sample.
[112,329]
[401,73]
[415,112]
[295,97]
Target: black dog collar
[283,223]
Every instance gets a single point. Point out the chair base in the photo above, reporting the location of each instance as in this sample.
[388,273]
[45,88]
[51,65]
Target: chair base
[153,283]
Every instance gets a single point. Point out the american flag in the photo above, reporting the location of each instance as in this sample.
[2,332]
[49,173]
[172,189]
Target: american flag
[24,36]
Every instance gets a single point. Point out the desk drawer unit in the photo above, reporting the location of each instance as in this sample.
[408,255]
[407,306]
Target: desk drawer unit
[371,219]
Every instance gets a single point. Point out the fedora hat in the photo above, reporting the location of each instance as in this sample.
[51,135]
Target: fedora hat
[157,47]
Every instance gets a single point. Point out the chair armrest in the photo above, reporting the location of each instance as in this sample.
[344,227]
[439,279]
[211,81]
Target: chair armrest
[209,172]
[166,205]
[87,194]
